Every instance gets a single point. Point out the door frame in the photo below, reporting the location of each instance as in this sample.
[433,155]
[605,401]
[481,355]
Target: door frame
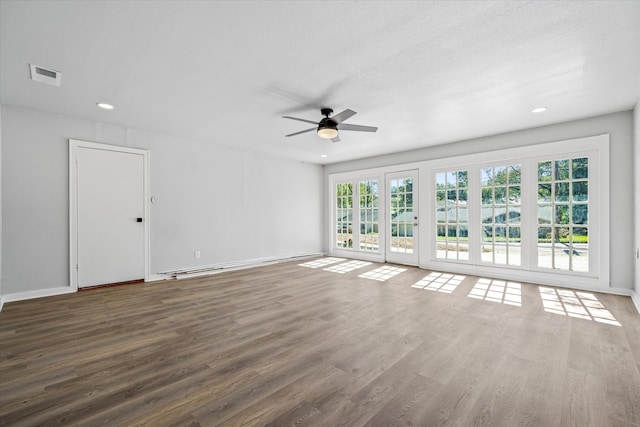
[74,145]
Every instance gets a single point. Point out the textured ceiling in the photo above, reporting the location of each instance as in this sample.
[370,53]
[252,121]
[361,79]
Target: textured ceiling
[224,73]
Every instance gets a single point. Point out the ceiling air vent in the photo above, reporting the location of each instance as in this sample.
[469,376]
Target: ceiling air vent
[45,75]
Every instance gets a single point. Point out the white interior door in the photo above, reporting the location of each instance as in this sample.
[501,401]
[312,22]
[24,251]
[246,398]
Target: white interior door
[402,217]
[110,216]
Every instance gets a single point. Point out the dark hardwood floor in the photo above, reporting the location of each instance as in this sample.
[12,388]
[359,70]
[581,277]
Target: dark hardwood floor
[290,344]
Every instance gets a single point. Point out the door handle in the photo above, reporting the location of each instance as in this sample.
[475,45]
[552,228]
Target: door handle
[138,219]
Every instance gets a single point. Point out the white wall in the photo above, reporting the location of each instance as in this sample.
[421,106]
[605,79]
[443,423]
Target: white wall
[229,204]
[619,126]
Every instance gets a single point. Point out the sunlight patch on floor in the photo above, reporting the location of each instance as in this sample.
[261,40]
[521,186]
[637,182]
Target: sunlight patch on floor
[501,291]
[322,262]
[439,282]
[382,273]
[347,266]
[583,305]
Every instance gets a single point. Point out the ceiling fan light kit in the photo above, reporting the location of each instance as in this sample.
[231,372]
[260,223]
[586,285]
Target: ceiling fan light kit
[328,127]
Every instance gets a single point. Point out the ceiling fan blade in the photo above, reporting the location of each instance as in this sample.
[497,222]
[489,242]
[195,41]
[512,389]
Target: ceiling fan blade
[339,118]
[302,131]
[300,120]
[336,139]
[346,126]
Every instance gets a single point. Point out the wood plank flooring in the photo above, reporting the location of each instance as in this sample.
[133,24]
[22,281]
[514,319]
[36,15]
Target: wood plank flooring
[296,344]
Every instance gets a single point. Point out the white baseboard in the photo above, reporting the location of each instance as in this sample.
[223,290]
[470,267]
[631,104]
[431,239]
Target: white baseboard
[19,296]
[635,297]
[185,273]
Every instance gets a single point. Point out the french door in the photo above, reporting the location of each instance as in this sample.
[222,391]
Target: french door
[402,219]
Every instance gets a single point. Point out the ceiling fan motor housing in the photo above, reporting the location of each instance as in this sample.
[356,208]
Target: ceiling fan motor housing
[327,123]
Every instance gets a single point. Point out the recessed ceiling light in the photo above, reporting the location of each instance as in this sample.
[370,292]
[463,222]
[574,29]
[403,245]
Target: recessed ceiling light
[105,106]
[539,110]
[323,155]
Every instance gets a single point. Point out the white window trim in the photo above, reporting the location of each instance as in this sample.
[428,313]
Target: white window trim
[599,182]
[596,146]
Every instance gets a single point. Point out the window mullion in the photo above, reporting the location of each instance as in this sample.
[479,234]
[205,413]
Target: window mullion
[475,214]
[529,217]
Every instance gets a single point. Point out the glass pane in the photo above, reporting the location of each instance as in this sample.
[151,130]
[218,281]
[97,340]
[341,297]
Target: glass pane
[487,233]
[562,214]
[544,235]
[514,174]
[440,180]
[463,233]
[451,179]
[514,195]
[544,192]
[463,252]
[441,198]
[514,234]
[500,234]
[514,215]
[462,195]
[500,215]
[581,168]
[500,195]
[562,191]
[463,214]
[515,255]
[544,171]
[580,191]
[561,259]
[580,237]
[487,253]
[452,195]
[463,179]
[580,260]
[452,251]
[562,169]
[441,214]
[499,254]
[487,176]
[487,196]
[452,214]
[500,175]
[580,214]
[545,257]
[561,235]
[487,215]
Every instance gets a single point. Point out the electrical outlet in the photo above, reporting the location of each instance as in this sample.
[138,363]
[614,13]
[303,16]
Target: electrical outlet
[197,254]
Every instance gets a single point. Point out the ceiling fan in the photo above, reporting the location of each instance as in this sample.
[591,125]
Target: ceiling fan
[328,127]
